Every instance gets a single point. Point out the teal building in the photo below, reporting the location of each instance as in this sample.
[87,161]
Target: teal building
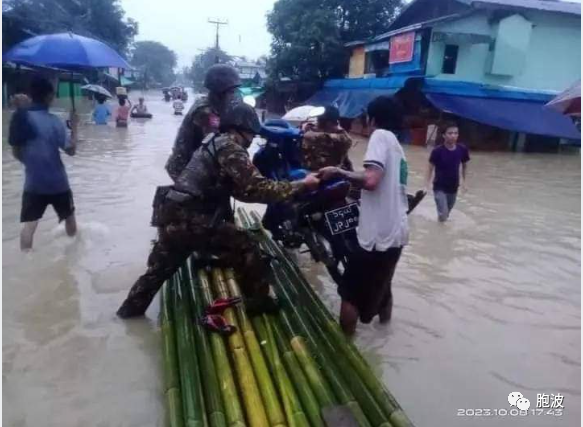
[492,64]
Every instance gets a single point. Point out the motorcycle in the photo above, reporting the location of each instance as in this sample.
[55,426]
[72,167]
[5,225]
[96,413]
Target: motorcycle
[324,220]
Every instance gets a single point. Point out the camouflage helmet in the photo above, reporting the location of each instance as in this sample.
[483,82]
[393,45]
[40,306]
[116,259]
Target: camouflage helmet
[221,77]
[241,117]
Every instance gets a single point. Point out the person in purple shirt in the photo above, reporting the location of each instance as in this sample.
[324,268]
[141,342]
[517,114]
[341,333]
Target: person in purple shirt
[445,163]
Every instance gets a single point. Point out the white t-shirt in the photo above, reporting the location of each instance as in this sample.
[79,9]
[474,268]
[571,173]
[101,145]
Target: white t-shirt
[178,106]
[383,212]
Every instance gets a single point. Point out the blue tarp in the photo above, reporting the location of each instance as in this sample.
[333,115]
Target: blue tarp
[514,115]
[350,103]
[513,110]
[394,82]
[480,90]
[352,96]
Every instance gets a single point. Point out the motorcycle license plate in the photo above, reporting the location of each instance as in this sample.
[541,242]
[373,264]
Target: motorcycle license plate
[342,219]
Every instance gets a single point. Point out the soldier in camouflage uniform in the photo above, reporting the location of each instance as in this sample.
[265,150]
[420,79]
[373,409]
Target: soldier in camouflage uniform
[327,144]
[196,215]
[203,117]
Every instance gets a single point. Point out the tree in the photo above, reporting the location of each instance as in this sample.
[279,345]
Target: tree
[183,77]
[100,19]
[309,35]
[203,61]
[262,60]
[156,61]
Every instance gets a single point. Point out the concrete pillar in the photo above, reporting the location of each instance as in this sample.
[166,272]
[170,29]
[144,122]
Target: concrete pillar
[520,142]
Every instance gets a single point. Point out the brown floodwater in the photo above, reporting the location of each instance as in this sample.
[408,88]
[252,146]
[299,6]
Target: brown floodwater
[487,304]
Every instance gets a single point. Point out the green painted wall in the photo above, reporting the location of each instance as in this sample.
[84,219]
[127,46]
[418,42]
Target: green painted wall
[548,58]
[64,90]
[511,46]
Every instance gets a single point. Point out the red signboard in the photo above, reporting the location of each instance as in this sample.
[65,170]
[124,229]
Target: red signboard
[401,49]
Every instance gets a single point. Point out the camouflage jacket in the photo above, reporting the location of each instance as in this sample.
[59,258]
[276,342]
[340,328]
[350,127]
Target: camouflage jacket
[321,149]
[221,169]
[200,120]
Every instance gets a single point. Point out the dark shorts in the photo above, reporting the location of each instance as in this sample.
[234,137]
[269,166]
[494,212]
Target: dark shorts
[367,280]
[34,205]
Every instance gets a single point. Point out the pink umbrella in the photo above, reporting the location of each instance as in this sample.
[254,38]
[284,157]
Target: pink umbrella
[569,101]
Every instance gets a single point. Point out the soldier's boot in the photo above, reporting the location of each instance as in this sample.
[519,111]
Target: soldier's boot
[133,308]
[255,287]
[139,298]
[162,264]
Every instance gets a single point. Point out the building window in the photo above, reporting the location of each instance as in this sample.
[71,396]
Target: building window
[376,61]
[450,59]
[368,63]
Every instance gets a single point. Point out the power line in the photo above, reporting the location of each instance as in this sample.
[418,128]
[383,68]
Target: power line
[218,23]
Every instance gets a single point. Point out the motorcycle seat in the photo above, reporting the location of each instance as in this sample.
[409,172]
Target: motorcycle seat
[280,123]
[278,133]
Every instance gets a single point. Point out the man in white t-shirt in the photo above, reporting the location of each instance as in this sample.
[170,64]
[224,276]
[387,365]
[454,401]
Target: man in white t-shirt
[383,228]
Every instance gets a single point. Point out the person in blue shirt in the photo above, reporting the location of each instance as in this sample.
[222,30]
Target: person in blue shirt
[36,137]
[101,112]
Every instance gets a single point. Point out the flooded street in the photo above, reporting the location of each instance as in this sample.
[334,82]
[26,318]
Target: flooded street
[485,305]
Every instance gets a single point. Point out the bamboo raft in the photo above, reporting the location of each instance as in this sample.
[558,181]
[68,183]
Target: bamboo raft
[275,370]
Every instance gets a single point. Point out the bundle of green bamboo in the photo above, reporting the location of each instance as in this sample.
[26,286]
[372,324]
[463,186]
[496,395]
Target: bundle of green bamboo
[284,369]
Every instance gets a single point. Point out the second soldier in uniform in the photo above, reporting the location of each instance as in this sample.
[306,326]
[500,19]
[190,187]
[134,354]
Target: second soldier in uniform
[222,82]
[327,144]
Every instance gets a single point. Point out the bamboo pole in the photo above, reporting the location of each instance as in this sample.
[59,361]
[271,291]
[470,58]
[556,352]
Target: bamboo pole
[319,384]
[384,398]
[212,393]
[254,407]
[309,402]
[296,416]
[339,385]
[359,390]
[194,410]
[233,410]
[266,386]
[171,372]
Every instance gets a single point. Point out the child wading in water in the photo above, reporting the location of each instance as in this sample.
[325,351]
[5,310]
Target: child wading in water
[101,112]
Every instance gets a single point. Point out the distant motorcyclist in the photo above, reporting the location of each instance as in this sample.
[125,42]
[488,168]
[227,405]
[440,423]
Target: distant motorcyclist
[326,144]
[196,214]
[222,82]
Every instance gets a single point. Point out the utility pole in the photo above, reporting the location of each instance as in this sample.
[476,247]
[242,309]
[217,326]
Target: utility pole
[218,23]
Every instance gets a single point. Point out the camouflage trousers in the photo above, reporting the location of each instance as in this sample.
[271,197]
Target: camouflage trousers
[177,240]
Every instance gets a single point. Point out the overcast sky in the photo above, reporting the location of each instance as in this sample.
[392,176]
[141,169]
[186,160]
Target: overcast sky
[182,25]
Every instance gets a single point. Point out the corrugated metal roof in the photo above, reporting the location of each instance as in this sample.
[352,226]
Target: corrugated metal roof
[247,64]
[543,5]
[420,25]
[354,43]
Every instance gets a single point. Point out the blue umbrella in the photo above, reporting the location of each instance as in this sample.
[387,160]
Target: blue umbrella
[65,50]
